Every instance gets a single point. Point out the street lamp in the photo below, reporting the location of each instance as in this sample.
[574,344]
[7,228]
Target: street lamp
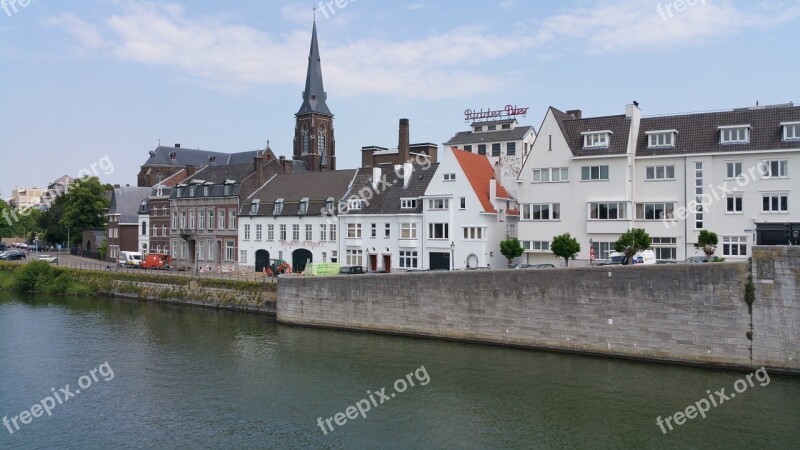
[452,255]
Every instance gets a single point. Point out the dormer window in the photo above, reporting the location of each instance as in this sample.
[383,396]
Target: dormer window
[663,138]
[734,134]
[329,205]
[480,128]
[254,206]
[596,139]
[791,131]
[227,190]
[179,192]
[408,203]
[159,191]
[278,207]
[355,204]
[191,191]
[205,191]
[303,206]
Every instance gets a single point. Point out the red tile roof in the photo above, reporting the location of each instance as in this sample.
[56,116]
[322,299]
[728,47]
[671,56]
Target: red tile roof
[479,172]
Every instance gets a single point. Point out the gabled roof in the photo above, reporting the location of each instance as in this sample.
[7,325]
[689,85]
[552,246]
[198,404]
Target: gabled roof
[314,95]
[125,202]
[317,187]
[481,137]
[387,198]
[699,133]
[573,128]
[178,156]
[479,172]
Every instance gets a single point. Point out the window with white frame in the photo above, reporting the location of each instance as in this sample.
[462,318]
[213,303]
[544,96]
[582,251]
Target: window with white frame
[655,211]
[258,232]
[295,232]
[210,248]
[220,219]
[230,251]
[201,219]
[303,208]
[183,219]
[791,131]
[596,139]
[354,257]
[608,211]
[192,222]
[278,208]
[660,173]
[354,231]
[243,256]
[205,191]
[373,230]
[775,202]
[439,230]
[408,203]
[541,211]
[665,248]
[254,206]
[355,204]
[774,168]
[323,232]
[739,134]
[698,191]
[210,218]
[408,230]
[163,230]
[733,169]
[463,204]
[334,256]
[231,219]
[536,246]
[602,249]
[733,203]
[734,245]
[282,232]
[387,230]
[550,175]
[174,220]
[439,203]
[246,232]
[661,138]
[473,233]
[333,236]
[449,177]
[594,173]
[270,232]
[408,259]
[309,232]
[496,149]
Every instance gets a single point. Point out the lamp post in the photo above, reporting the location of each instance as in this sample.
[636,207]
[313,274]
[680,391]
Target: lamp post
[452,255]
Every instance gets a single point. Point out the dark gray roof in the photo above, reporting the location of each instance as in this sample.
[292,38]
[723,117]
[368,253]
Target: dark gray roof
[317,187]
[572,129]
[493,122]
[299,166]
[314,95]
[699,133]
[480,137]
[219,174]
[161,156]
[387,200]
[125,202]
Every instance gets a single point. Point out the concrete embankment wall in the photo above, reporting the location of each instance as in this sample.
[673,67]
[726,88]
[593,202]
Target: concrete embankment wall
[680,313]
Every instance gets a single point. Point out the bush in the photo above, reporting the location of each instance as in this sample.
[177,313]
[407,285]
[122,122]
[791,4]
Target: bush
[33,276]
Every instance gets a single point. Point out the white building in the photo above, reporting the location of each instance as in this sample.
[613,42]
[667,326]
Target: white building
[729,172]
[144,228]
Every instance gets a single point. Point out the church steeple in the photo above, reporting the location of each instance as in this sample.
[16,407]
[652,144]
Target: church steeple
[314,95]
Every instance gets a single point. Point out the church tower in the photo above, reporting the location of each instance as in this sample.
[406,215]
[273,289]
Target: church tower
[313,131]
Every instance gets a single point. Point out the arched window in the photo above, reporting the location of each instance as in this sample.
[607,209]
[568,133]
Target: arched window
[321,140]
[304,136]
[159,177]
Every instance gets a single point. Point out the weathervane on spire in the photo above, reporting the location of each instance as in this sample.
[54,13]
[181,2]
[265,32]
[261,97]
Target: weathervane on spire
[315,13]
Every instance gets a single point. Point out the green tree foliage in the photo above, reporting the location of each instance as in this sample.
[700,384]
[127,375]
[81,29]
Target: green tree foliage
[633,241]
[707,241]
[511,248]
[6,220]
[51,221]
[565,246]
[85,207]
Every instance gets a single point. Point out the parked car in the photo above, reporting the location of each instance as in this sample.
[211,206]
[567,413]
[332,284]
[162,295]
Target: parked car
[12,255]
[157,261]
[642,257]
[48,258]
[129,259]
[614,259]
[351,270]
[3,246]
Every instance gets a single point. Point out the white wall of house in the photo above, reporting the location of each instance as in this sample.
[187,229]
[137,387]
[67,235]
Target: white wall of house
[144,238]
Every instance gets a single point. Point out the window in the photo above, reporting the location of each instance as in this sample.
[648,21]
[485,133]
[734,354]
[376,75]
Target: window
[205,191]
[354,257]
[478,128]
[163,230]
[602,249]
[734,134]
[373,230]
[179,192]
[144,228]
[270,232]
[468,148]
[408,203]
[174,248]
[295,232]
[595,140]
[774,169]
[329,207]
[439,203]
[230,251]
[449,177]
[258,232]
[698,192]
[354,231]
[334,256]
[660,173]
[192,222]
[246,232]
[791,131]
[408,230]
[463,203]
[387,230]
[594,173]
[506,126]
[333,236]
[491,128]
[408,259]
[220,219]
[734,203]
[210,219]
[309,232]
[496,149]
[201,219]
[608,210]
[305,139]
[665,248]
[734,245]
[355,204]
[254,207]
[438,231]
[511,148]
[661,138]
[278,208]
[282,232]
[481,149]
[154,232]
[775,202]
[323,232]
[551,175]
[733,169]
[655,211]
[210,248]
[174,220]
[183,219]
[536,246]
[192,190]
[473,233]
[303,209]
[243,256]
[541,211]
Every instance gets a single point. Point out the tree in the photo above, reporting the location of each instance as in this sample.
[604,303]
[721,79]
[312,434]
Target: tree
[50,221]
[632,242]
[6,220]
[511,248]
[707,241]
[85,207]
[565,246]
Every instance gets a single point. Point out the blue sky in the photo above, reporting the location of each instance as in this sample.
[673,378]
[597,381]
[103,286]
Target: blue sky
[81,80]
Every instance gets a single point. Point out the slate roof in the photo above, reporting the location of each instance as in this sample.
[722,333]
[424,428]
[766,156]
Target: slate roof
[219,174]
[699,133]
[387,199]
[191,157]
[317,187]
[572,129]
[479,172]
[314,95]
[480,137]
[125,202]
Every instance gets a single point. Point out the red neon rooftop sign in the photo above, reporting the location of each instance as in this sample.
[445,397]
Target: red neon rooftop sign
[508,111]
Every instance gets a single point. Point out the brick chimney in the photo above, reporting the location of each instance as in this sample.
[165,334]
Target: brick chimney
[575,113]
[403,151]
[190,170]
[258,168]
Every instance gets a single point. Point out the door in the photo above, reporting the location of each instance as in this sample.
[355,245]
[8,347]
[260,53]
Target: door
[472,260]
[262,260]
[300,258]
[373,263]
[387,263]
[439,261]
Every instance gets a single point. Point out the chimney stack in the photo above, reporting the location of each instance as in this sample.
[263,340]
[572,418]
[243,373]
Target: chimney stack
[177,145]
[403,151]
[575,113]
[258,167]
[189,170]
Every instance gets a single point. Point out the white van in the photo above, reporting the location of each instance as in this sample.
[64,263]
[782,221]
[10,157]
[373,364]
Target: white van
[129,259]
[644,257]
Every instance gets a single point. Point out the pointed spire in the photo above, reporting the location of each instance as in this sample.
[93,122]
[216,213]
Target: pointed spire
[314,95]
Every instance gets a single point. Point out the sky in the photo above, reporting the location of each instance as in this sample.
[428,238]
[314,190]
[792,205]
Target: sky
[81,81]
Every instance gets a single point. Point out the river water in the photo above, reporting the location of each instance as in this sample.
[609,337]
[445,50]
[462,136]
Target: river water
[160,376]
